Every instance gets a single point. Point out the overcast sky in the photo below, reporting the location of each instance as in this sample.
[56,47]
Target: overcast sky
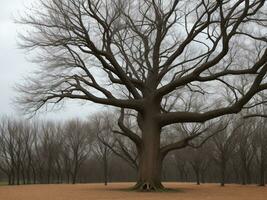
[14,66]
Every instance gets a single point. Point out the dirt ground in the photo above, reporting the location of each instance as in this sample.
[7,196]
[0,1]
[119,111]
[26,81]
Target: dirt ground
[116,191]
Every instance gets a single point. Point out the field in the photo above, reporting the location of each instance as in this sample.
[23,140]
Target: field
[188,191]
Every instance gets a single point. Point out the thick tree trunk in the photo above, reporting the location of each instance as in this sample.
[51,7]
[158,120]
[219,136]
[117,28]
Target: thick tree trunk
[150,158]
[149,174]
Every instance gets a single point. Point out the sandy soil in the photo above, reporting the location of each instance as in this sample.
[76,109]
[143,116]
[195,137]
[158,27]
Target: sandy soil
[188,191]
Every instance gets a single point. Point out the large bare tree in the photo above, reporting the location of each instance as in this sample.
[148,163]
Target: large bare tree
[154,57]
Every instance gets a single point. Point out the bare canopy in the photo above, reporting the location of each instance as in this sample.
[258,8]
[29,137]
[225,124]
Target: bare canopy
[170,61]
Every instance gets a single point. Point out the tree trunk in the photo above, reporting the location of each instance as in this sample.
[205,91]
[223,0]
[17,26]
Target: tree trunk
[181,175]
[23,177]
[243,177]
[203,177]
[13,175]
[74,178]
[222,174]
[248,176]
[196,170]
[9,179]
[197,176]
[28,175]
[149,174]
[150,157]
[48,177]
[68,177]
[186,176]
[34,175]
[262,170]
[75,172]
[105,167]
[18,174]
[262,177]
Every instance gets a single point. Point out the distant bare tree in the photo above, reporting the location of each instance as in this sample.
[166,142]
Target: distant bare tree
[224,145]
[48,148]
[181,163]
[199,160]
[27,141]
[245,150]
[77,144]
[103,124]
[7,151]
[260,148]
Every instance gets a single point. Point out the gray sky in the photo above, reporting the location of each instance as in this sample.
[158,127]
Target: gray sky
[14,66]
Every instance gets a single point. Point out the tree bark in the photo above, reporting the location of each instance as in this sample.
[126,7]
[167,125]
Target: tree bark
[150,159]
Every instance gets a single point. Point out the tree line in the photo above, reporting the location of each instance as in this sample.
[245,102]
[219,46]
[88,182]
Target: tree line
[82,151]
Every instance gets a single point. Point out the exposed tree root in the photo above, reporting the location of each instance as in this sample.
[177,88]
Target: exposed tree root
[148,187]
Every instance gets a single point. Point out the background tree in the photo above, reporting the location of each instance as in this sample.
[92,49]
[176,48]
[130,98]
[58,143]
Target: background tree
[120,167]
[144,52]
[181,164]
[120,145]
[103,143]
[260,149]
[224,147]
[199,161]
[245,150]
[48,150]
[7,152]
[77,142]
